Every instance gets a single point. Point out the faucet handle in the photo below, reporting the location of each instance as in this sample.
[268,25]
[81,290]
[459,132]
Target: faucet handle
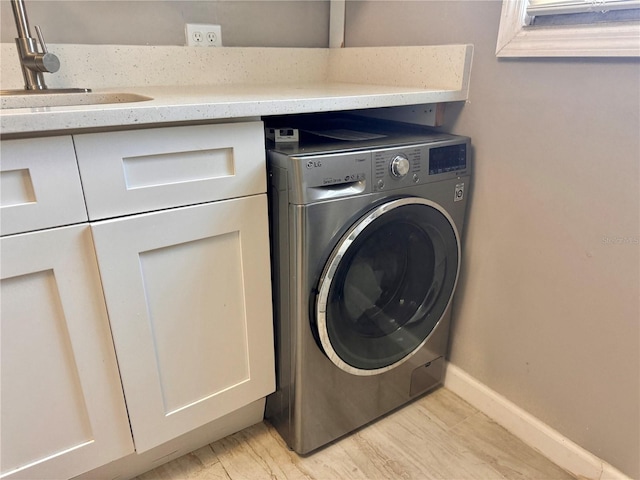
[48,62]
[41,39]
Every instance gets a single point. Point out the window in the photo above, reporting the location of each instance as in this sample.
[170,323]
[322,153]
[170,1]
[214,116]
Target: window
[572,28]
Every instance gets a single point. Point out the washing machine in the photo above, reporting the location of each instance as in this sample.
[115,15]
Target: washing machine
[366,223]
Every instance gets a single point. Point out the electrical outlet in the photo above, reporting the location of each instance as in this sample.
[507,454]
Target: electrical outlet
[202,35]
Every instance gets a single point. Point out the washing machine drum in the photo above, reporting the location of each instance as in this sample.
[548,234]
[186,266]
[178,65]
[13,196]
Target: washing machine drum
[386,285]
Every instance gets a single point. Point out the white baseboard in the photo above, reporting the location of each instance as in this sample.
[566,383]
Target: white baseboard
[553,445]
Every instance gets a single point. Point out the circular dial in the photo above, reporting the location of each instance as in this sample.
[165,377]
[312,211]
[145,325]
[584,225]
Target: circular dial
[400,166]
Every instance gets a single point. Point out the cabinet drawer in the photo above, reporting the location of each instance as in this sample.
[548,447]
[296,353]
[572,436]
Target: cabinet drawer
[39,185]
[145,170]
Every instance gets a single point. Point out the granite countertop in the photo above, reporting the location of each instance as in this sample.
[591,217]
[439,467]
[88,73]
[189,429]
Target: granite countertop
[240,83]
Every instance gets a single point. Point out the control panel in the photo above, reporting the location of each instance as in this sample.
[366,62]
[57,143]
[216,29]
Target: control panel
[330,174]
[416,164]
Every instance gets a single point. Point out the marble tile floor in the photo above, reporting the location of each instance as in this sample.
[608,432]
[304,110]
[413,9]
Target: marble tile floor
[438,436]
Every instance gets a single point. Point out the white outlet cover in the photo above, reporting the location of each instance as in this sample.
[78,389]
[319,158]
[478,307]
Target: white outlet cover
[203,35]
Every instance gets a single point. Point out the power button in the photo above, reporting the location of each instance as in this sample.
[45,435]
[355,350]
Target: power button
[459,192]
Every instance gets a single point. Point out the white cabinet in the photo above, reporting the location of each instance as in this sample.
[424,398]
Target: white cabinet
[63,412]
[188,289]
[173,244]
[188,294]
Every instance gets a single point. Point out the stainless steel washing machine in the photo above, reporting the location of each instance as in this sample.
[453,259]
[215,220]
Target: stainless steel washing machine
[366,224]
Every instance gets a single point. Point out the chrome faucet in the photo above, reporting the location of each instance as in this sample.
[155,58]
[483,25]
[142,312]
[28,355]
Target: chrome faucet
[33,62]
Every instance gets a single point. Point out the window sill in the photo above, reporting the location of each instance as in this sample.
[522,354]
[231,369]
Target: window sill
[597,40]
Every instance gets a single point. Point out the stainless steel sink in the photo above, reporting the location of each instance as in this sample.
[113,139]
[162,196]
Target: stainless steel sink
[52,98]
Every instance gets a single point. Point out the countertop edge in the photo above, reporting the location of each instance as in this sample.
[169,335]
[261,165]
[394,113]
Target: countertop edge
[216,103]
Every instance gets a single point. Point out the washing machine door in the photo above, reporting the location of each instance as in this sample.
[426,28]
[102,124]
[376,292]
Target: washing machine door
[386,285]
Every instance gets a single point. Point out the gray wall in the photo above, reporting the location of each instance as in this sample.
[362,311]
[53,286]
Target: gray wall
[548,310]
[262,23]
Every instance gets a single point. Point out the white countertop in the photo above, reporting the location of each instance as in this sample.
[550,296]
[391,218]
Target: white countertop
[243,83]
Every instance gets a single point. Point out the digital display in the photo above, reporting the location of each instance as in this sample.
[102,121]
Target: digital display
[447,159]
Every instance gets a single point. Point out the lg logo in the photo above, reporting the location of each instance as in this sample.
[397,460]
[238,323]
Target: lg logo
[314,163]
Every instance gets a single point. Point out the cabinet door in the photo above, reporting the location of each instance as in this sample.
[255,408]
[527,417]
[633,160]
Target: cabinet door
[189,298]
[63,411]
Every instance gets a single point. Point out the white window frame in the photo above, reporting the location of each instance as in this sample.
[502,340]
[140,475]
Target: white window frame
[596,40]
